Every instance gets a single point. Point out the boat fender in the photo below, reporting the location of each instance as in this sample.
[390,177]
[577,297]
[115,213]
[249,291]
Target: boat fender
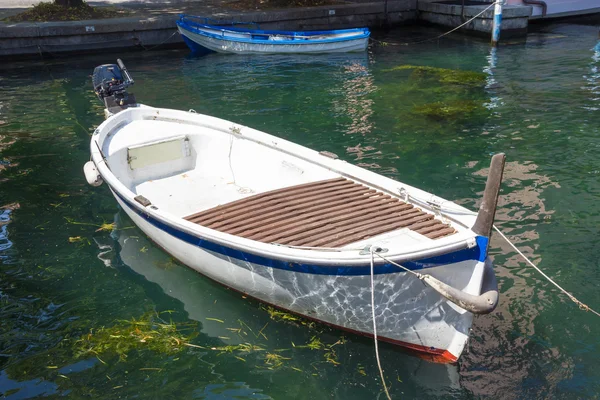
[91,174]
[482,304]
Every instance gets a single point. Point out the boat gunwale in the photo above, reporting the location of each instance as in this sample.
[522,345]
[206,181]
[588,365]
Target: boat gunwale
[463,239]
[194,27]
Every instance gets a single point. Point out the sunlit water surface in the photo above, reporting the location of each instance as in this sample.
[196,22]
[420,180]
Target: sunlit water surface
[62,281]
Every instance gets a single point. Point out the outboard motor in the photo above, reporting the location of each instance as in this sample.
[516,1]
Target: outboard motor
[110,85]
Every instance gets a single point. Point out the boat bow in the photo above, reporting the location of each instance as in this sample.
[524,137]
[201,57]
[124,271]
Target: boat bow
[488,300]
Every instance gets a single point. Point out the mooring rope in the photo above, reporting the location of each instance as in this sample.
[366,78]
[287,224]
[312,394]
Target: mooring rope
[418,275]
[375,326]
[582,306]
[437,37]
[161,43]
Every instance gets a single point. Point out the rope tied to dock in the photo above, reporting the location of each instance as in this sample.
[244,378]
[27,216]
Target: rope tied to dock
[160,44]
[440,36]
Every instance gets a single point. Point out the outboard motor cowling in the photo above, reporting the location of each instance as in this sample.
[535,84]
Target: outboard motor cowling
[110,85]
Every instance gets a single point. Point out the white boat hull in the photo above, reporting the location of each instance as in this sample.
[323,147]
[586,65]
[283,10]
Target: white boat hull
[202,302]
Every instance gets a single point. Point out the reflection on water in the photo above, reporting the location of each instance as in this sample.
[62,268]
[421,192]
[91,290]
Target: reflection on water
[5,242]
[511,330]
[523,188]
[593,79]
[491,83]
[138,253]
[354,102]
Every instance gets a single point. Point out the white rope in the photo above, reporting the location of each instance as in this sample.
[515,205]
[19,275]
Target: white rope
[230,149]
[418,275]
[443,34]
[375,326]
[581,305]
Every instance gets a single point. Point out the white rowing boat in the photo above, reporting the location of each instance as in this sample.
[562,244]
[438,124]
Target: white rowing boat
[201,37]
[296,228]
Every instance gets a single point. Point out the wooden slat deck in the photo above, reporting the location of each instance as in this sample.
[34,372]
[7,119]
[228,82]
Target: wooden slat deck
[329,213]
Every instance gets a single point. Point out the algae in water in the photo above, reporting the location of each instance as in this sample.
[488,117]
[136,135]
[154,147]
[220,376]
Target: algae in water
[148,332]
[439,94]
[450,110]
[447,76]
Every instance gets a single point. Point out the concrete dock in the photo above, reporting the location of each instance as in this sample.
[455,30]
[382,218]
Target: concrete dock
[151,25]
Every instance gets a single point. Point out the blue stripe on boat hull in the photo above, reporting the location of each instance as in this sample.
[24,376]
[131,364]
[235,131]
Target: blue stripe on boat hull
[477,252]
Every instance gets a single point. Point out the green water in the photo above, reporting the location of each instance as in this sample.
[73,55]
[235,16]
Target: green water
[62,282]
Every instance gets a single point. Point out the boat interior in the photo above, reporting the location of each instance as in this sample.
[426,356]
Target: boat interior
[224,182]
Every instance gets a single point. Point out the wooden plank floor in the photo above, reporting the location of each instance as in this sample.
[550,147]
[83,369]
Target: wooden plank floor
[329,213]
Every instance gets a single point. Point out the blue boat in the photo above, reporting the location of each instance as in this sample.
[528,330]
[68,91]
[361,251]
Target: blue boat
[231,39]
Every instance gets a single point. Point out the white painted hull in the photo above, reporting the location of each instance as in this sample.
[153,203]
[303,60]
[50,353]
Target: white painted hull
[230,46]
[199,301]
[561,8]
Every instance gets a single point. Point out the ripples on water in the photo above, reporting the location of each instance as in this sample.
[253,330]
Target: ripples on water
[60,280]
